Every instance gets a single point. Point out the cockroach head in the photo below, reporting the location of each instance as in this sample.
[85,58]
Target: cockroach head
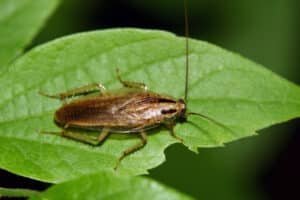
[182,110]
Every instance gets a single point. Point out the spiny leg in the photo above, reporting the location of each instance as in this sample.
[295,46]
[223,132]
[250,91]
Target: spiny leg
[130,84]
[81,137]
[170,126]
[84,90]
[134,148]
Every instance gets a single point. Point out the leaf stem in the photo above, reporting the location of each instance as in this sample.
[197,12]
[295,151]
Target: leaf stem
[17,192]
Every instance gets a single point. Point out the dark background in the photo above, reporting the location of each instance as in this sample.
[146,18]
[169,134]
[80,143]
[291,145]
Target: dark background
[261,167]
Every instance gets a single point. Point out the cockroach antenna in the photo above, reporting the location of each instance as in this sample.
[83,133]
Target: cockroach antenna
[187,51]
[186,22]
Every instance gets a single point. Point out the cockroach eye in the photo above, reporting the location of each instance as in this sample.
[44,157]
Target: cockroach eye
[168,111]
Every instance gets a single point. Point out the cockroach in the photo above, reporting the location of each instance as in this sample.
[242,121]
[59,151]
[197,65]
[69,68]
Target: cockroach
[135,111]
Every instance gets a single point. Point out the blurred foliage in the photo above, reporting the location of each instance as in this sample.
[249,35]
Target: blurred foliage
[264,31]
[111,186]
[28,16]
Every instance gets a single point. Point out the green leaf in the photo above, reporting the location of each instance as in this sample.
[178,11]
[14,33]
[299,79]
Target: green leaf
[224,86]
[110,186]
[19,23]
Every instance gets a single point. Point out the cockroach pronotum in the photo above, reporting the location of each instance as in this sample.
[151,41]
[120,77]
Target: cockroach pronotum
[134,111]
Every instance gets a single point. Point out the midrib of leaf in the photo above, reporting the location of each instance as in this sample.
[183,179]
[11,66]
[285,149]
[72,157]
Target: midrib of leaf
[249,101]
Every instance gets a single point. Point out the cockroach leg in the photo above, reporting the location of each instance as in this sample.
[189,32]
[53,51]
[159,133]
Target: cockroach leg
[132,149]
[84,90]
[103,135]
[170,126]
[59,133]
[80,136]
[130,84]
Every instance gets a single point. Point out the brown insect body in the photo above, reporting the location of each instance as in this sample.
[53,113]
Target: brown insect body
[134,111]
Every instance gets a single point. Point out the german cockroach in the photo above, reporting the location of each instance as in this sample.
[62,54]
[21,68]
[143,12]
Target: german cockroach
[135,111]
